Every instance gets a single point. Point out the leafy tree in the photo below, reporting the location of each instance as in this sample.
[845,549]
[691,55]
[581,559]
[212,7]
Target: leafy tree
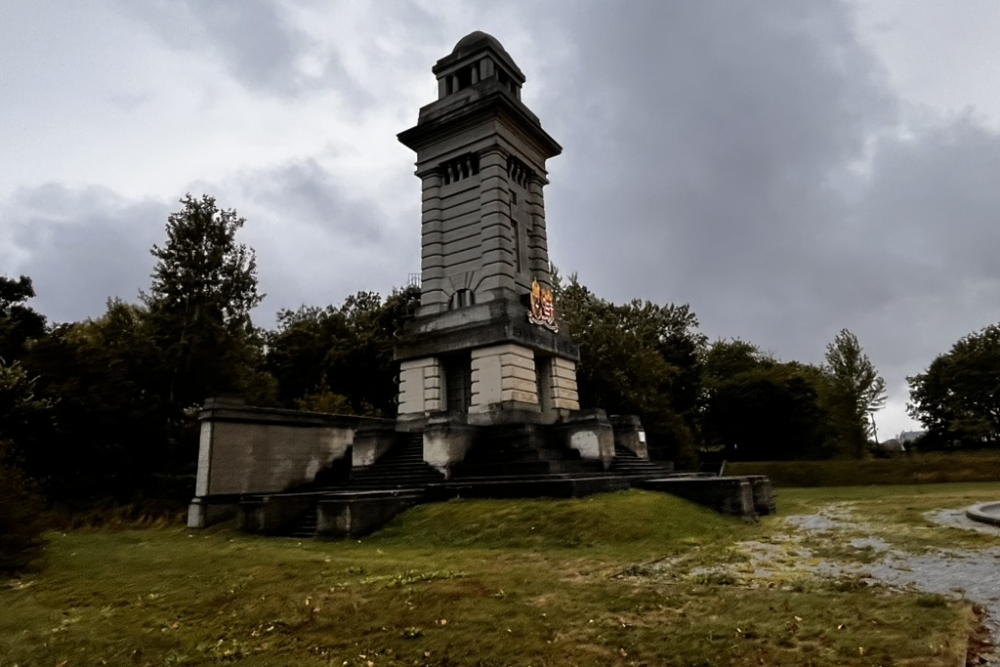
[758,408]
[856,391]
[18,322]
[771,411]
[112,429]
[340,359]
[957,399]
[22,413]
[204,287]
[724,359]
[638,358]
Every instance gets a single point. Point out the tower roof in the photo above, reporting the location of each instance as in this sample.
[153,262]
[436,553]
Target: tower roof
[471,45]
[475,40]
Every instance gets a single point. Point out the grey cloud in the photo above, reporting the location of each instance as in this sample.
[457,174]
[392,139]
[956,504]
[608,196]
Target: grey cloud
[80,246]
[315,242]
[710,155]
[262,48]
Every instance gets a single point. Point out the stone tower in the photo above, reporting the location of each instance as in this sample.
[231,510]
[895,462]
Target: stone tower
[484,346]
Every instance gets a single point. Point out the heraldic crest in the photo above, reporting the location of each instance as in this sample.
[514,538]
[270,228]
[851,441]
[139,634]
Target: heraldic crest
[543,307]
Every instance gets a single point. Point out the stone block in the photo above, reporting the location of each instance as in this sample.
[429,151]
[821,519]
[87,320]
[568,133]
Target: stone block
[565,404]
[519,372]
[563,373]
[563,383]
[519,396]
[763,494]
[517,384]
[559,362]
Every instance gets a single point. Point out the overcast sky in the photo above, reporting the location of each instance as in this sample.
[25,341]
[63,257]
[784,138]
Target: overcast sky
[788,168]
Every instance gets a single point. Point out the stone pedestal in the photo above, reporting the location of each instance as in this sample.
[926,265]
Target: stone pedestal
[447,438]
[589,432]
[371,442]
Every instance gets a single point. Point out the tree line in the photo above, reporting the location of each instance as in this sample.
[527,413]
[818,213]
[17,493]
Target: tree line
[105,410]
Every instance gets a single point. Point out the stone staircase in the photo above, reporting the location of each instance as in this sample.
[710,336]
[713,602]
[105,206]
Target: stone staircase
[509,462]
[520,450]
[402,467]
[627,463]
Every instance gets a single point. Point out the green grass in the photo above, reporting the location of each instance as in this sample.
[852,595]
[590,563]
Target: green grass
[929,468]
[530,582]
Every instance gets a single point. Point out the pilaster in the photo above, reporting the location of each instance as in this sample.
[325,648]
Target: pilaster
[495,240]
[433,297]
[562,385]
[420,386]
[538,243]
[503,375]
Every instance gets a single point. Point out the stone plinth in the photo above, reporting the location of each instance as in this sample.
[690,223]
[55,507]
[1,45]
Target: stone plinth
[447,439]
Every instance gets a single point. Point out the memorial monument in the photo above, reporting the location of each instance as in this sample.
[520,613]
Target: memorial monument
[485,348]
[488,402]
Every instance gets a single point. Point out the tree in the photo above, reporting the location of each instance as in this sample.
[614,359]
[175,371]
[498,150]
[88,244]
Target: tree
[111,429]
[204,287]
[18,323]
[638,358]
[856,392]
[341,359]
[22,413]
[757,408]
[957,399]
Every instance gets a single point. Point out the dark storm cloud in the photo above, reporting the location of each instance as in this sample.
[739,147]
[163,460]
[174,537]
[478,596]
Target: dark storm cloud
[723,162]
[80,247]
[722,125]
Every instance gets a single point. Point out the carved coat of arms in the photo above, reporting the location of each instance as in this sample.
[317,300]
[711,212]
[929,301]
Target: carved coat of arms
[543,307]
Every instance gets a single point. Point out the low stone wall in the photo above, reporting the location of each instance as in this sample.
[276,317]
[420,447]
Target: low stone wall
[360,514]
[247,450]
[728,495]
[273,514]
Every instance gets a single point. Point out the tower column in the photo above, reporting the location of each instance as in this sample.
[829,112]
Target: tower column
[432,293]
[496,240]
[538,244]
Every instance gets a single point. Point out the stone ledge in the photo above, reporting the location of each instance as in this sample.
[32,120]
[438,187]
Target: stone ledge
[985,513]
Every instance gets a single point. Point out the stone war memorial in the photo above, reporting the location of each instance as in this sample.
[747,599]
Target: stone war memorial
[488,403]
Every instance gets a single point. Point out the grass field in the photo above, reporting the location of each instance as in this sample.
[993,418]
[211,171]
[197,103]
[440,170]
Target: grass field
[532,582]
[915,468]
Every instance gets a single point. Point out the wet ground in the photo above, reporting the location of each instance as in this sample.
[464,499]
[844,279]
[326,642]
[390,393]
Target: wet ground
[834,543]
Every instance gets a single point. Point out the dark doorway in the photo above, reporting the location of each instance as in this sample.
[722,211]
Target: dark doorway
[458,382]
